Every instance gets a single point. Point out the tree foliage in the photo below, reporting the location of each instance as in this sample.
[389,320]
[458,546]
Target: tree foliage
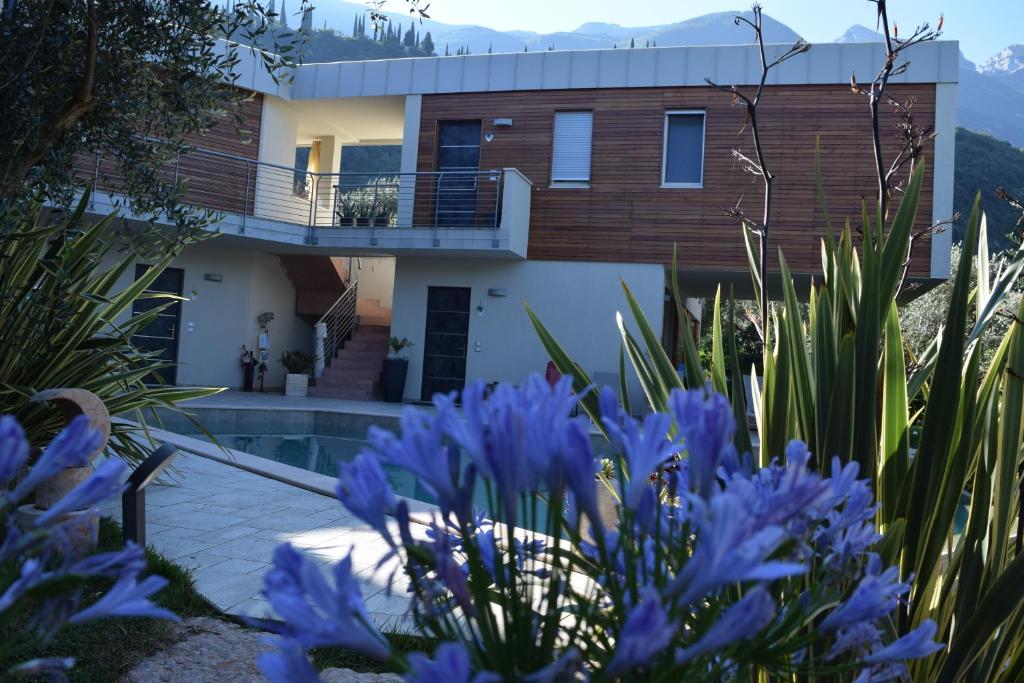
[124,79]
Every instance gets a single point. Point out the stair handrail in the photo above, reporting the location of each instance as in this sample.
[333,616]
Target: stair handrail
[334,327]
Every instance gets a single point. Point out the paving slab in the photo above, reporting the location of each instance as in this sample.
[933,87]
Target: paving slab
[224,524]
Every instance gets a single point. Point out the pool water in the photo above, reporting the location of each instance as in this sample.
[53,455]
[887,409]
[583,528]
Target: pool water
[318,453]
[324,454]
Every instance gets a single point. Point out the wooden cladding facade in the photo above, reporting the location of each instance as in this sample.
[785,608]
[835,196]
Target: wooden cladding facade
[214,182]
[626,216]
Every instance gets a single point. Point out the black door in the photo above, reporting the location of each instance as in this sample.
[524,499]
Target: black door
[458,166]
[162,334]
[444,347]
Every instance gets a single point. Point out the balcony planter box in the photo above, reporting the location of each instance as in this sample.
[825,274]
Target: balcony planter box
[395,370]
[296,384]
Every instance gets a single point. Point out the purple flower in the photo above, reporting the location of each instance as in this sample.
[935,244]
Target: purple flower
[521,438]
[731,547]
[127,562]
[31,575]
[645,450]
[707,426]
[127,598]
[914,645]
[70,448]
[451,664]
[314,612]
[741,621]
[364,490]
[13,448]
[645,634]
[287,664]
[875,596]
[421,451]
[102,484]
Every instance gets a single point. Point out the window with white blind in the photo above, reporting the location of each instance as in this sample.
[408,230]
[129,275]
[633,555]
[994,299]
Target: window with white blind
[570,158]
[683,149]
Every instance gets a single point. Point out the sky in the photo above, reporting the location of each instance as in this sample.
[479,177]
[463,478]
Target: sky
[983,27]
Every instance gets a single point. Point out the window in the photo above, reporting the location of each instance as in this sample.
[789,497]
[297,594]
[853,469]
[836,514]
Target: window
[683,160]
[570,158]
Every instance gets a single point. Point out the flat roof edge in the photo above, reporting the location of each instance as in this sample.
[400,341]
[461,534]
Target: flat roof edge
[825,63]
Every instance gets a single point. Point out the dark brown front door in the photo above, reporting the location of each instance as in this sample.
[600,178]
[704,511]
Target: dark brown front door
[163,333]
[446,339]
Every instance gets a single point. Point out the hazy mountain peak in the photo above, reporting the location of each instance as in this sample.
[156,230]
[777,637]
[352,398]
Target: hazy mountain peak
[1006,62]
[860,34]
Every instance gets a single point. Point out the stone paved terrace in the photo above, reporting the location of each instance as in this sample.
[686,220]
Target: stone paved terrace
[223,523]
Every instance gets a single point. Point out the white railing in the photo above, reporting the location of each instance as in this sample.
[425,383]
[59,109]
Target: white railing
[336,325]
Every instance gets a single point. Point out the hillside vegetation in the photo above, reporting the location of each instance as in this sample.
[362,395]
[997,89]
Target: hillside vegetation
[982,164]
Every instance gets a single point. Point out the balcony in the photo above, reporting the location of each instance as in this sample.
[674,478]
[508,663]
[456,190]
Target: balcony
[483,213]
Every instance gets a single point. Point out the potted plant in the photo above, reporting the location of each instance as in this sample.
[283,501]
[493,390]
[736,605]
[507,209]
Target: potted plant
[396,367]
[299,365]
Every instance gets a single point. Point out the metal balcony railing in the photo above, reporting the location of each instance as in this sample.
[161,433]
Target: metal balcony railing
[254,189]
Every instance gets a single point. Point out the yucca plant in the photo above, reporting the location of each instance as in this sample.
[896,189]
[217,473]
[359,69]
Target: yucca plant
[842,380]
[60,326]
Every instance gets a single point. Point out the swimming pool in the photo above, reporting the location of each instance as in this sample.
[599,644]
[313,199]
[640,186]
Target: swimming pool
[310,440]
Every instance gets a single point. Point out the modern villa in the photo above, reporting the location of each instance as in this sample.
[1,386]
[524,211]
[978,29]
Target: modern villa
[538,177]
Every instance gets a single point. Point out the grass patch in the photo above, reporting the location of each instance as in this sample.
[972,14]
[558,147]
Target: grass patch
[337,657]
[108,648]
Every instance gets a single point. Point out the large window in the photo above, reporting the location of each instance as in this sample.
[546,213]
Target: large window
[570,158]
[683,160]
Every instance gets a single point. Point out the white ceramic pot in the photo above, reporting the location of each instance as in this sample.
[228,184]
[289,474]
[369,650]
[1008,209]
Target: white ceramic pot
[296,385]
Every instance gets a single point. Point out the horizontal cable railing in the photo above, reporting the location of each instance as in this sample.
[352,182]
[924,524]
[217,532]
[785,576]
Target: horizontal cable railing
[249,188]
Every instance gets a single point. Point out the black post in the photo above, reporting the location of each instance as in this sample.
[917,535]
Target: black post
[133,500]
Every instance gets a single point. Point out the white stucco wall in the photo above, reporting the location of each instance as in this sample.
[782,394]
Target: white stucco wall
[221,316]
[376,278]
[279,131]
[577,301]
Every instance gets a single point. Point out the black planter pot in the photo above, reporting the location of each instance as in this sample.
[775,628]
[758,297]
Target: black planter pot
[395,370]
[248,372]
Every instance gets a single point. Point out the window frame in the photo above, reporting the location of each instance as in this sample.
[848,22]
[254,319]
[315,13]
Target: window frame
[573,184]
[664,147]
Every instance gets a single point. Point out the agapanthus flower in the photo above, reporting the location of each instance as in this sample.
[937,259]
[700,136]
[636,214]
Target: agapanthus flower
[731,547]
[315,613]
[128,598]
[914,645]
[645,633]
[364,490]
[645,449]
[741,621]
[103,484]
[128,561]
[70,448]
[287,663]
[877,594]
[707,425]
[32,573]
[451,664]
[421,450]
[13,448]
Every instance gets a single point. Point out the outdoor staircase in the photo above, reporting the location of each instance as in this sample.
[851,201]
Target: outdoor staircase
[355,345]
[355,371]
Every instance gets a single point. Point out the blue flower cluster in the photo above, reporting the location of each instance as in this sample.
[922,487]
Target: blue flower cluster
[41,552]
[707,564]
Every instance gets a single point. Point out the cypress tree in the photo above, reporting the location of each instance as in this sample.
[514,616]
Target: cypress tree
[428,44]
